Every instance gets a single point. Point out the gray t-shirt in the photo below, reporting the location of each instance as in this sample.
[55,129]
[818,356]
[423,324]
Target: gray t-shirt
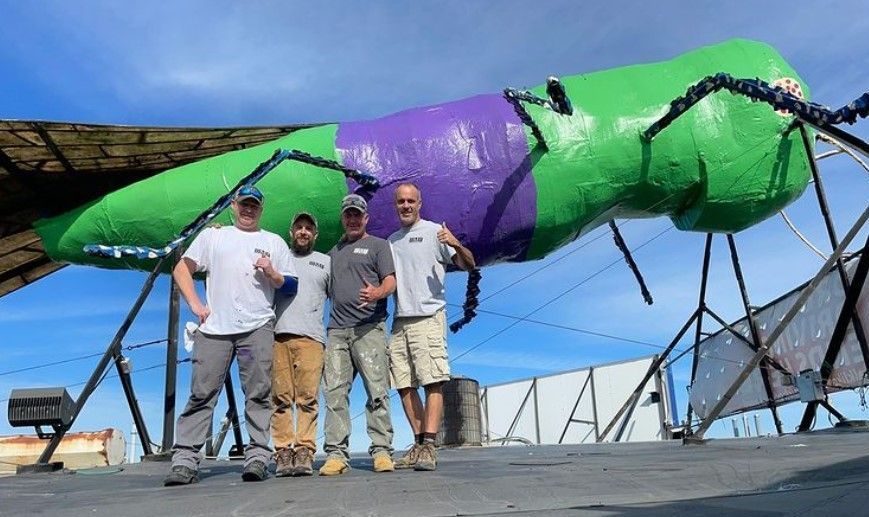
[419,269]
[369,258]
[302,314]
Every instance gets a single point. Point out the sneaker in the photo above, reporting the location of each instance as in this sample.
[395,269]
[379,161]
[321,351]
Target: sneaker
[284,462]
[181,475]
[334,467]
[304,462]
[428,457]
[256,470]
[383,462]
[408,461]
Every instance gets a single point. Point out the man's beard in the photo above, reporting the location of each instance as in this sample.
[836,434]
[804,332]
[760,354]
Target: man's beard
[298,249]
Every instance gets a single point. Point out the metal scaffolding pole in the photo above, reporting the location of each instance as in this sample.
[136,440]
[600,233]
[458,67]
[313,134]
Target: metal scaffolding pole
[777,332]
[635,396]
[99,372]
[834,242]
[171,369]
[755,335]
[836,339]
[701,303]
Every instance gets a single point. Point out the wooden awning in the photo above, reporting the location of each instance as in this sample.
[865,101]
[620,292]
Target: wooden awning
[47,168]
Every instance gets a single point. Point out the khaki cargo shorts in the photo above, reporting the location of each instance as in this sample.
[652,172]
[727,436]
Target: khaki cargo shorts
[418,351]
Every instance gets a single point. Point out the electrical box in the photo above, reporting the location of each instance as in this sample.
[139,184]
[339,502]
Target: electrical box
[809,386]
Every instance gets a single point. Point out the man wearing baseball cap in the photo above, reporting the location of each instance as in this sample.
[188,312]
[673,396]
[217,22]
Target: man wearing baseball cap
[363,277]
[298,353]
[243,267]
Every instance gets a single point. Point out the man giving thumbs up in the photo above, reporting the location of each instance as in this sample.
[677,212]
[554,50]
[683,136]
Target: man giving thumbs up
[418,349]
[363,277]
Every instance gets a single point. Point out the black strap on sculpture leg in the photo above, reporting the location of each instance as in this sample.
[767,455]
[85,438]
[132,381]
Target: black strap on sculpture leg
[471,301]
[620,243]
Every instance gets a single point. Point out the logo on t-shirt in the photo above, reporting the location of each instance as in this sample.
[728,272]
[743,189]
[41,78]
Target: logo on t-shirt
[415,239]
[264,253]
[360,251]
[317,264]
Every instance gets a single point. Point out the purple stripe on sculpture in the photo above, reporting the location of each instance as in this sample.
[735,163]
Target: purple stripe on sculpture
[469,159]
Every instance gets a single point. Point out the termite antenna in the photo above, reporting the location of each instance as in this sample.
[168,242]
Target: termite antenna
[558,99]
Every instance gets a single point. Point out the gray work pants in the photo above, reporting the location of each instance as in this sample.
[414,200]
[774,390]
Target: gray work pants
[359,349]
[212,356]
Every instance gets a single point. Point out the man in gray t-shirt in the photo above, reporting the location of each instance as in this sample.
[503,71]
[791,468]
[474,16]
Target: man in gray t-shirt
[298,354]
[363,276]
[418,348]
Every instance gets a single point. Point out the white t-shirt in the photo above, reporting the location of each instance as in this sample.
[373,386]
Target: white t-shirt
[302,314]
[419,269]
[239,296]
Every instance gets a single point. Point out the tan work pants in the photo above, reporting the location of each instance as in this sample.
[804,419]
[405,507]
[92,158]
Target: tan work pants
[296,372]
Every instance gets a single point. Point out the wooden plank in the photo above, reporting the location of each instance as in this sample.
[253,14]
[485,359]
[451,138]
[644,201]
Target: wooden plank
[38,272]
[17,259]
[184,136]
[9,138]
[140,150]
[28,277]
[17,241]
[29,153]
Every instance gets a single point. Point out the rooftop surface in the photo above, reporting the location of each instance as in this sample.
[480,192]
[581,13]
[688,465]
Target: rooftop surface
[822,473]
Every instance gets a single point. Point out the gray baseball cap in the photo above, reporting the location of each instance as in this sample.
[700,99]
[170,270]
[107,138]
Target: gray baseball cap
[304,215]
[354,201]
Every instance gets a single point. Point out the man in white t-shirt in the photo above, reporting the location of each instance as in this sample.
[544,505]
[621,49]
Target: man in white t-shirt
[244,265]
[418,348]
[298,359]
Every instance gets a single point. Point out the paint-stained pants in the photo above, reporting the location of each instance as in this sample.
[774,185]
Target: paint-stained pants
[360,349]
[212,356]
[296,372]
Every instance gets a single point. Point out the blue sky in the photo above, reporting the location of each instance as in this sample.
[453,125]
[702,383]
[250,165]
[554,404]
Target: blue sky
[225,63]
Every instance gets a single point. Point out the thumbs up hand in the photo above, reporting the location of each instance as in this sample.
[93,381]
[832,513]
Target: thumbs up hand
[367,294]
[445,236]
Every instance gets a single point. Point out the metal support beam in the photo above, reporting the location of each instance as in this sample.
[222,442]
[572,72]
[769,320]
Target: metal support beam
[635,396]
[536,414]
[123,368]
[98,373]
[594,406]
[769,362]
[755,334]
[701,305]
[570,418]
[777,332]
[839,331]
[859,329]
[171,365]
[829,407]
[852,141]
[521,408]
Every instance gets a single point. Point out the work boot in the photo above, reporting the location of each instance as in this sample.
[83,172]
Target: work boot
[256,470]
[408,461]
[181,475]
[383,462]
[304,462]
[428,457]
[334,467]
[284,462]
